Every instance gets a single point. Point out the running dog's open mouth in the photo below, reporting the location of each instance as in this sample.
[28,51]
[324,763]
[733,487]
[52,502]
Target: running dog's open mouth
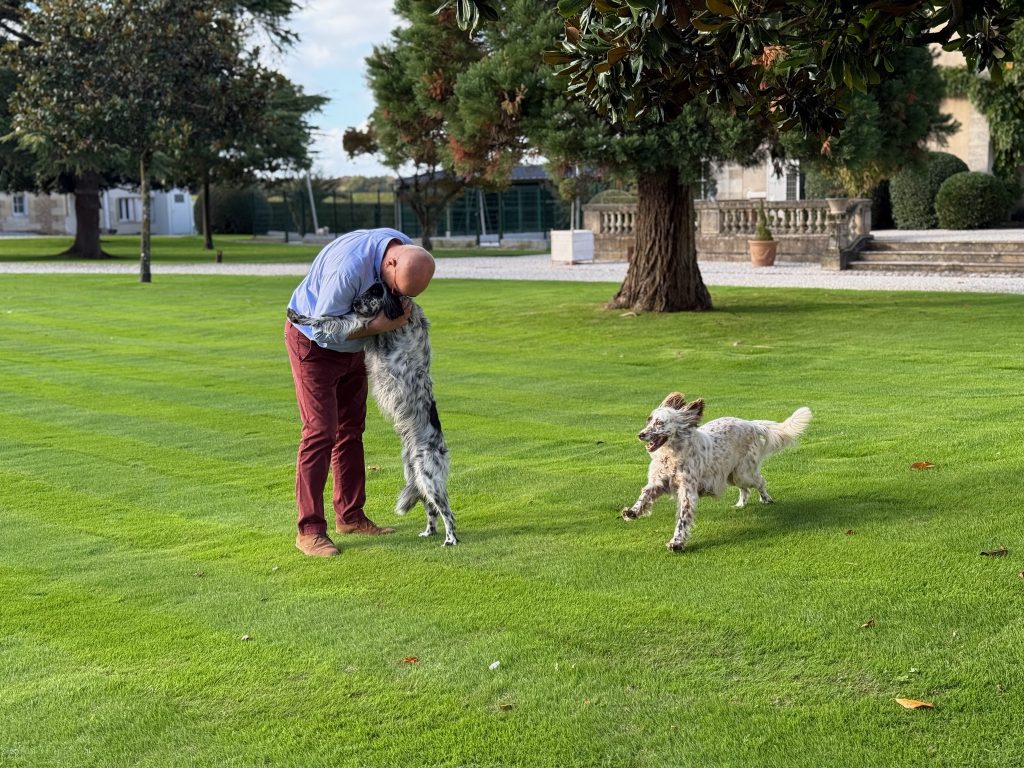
[656,443]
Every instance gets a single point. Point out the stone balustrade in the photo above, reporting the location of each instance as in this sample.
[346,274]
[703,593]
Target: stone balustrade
[806,230]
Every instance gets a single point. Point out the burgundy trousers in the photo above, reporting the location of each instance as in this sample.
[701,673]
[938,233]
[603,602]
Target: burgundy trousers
[331,391]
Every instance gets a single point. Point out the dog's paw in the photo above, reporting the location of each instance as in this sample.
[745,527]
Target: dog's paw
[675,546]
[628,514]
[450,542]
[427,534]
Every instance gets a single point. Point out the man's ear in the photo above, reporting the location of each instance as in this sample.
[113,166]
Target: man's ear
[676,401]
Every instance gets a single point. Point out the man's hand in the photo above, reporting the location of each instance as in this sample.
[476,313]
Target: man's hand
[381,324]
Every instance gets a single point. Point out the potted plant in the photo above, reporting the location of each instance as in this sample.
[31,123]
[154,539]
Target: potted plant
[762,245]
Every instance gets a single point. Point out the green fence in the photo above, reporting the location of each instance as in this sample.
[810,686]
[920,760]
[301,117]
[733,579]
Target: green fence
[520,209]
[291,212]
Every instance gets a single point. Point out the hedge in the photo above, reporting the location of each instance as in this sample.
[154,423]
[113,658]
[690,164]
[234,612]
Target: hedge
[913,190]
[971,200]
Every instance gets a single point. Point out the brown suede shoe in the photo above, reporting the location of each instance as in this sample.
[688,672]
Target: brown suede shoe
[365,527]
[316,545]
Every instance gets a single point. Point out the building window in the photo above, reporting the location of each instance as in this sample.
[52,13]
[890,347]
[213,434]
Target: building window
[179,198]
[128,209]
[19,204]
[794,183]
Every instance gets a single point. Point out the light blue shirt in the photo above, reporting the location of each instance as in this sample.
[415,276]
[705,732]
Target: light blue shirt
[343,270]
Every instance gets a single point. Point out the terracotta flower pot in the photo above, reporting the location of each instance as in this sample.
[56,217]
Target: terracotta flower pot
[762,252]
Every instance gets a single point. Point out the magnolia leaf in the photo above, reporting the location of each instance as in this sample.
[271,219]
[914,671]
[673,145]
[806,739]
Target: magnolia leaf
[615,55]
[868,624]
[922,465]
[411,660]
[721,8]
[914,704]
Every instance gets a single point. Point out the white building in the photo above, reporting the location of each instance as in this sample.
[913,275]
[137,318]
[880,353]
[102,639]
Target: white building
[120,213]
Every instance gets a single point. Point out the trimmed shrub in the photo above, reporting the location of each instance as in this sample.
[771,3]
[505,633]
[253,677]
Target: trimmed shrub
[818,186]
[972,200]
[235,211]
[913,190]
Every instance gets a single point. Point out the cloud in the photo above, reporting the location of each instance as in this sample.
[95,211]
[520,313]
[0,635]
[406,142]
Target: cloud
[335,37]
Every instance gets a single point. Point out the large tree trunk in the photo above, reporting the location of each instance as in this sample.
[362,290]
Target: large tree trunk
[663,275]
[87,218]
[145,251]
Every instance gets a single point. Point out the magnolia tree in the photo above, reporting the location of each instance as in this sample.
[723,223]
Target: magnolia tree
[780,64]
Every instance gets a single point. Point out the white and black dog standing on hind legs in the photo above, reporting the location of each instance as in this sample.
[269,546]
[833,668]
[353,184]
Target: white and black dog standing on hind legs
[398,363]
[692,461]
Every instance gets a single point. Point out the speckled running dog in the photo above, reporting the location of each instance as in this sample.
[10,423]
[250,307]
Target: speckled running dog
[693,462]
[398,363]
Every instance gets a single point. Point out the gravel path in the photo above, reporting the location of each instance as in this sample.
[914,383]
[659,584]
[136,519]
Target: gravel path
[540,267]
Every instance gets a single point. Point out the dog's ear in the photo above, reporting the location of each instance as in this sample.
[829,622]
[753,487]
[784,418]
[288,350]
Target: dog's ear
[696,410]
[676,401]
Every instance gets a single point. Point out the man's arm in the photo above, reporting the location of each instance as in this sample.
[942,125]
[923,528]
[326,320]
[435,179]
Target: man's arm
[333,330]
[380,323]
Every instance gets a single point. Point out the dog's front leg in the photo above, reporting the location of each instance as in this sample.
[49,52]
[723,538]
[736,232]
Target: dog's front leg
[648,495]
[684,519]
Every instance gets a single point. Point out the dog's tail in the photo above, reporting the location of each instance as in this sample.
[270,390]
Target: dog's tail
[778,436]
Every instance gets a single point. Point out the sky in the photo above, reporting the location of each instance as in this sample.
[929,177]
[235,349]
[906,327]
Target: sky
[335,37]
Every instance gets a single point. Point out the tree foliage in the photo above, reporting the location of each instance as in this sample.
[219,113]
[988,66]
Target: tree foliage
[130,85]
[449,107]
[1002,104]
[895,118]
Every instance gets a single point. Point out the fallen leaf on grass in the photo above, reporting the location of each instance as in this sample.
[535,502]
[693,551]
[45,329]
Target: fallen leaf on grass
[411,660]
[922,465]
[850,532]
[494,665]
[914,704]
[628,314]
[868,624]
[199,574]
[997,552]
[504,706]
[1021,574]
[373,468]
[245,637]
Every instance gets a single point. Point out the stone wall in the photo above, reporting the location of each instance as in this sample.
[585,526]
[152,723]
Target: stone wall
[806,230]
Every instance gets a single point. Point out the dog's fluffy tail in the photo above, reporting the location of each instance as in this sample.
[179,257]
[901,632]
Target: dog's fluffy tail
[778,436]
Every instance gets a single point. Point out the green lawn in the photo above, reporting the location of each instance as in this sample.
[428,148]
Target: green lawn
[234,248]
[155,613]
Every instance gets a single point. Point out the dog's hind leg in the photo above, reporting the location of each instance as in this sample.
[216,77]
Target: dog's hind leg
[744,493]
[409,495]
[684,520]
[437,504]
[762,490]
[431,482]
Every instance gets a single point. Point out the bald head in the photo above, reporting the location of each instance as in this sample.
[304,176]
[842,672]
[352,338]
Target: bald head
[407,269]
